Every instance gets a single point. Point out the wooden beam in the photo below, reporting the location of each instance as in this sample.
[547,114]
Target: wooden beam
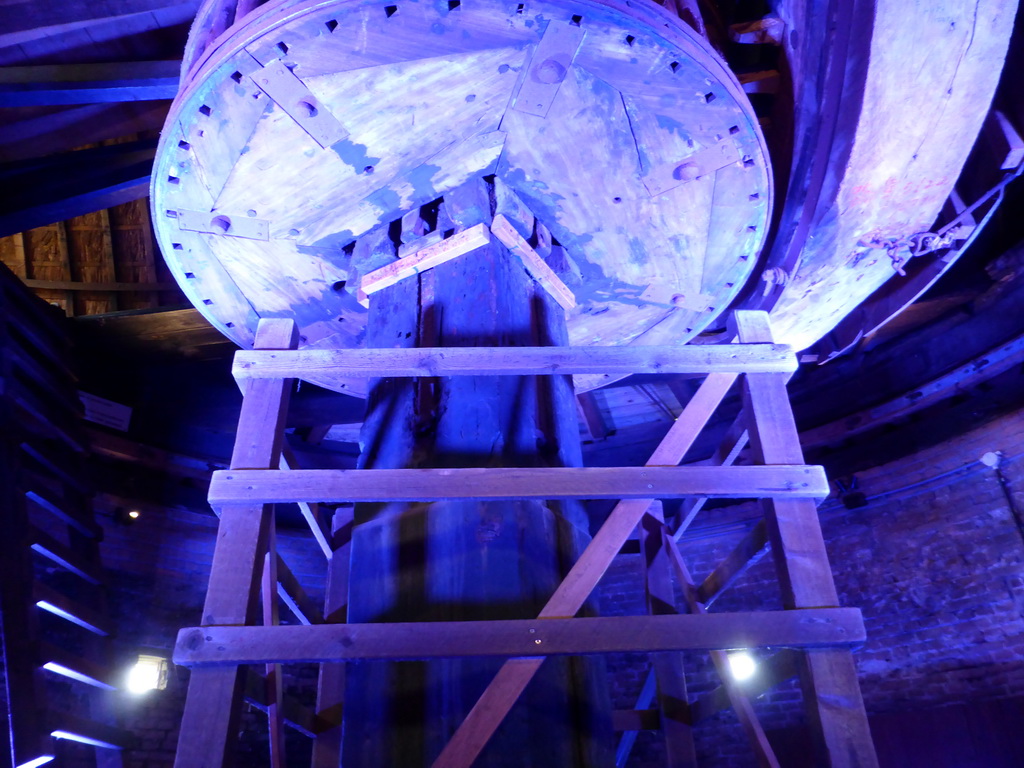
[230,486]
[749,551]
[829,678]
[70,285]
[502,229]
[668,667]
[740,703]
[269,587]
[771,671]
[310,510]
[498,698]
[64,556]
[63,84]
[426,258]
[295,597]
[514,361]
[293,644]
[52,601]
[636,719]
[208,724]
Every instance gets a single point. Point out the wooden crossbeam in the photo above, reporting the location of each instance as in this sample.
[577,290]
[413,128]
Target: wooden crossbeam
[220,645]
[513,677]
[426,258]
[209,721]
[231,486]
[310,364]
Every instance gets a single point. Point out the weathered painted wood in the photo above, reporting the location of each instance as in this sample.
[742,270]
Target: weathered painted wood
[211,705]
[223,645]
[630,260]
[231,486]
[829,678]
[320,364]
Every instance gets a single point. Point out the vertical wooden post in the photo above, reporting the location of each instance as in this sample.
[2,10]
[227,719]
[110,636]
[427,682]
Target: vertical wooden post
[275,685]
[214,695]
[330,692]
[828,677]
[668,667]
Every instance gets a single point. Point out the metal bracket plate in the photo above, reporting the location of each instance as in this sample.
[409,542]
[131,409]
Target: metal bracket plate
[668,176]
[292,95]
[219,224]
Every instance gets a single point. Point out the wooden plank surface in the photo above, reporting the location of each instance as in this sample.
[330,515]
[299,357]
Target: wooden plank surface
[226,645]
[535,265]
[513,361]
[231,486]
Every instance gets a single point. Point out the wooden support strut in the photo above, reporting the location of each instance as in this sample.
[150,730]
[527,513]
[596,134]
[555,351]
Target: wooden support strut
[829,678]
[214,695]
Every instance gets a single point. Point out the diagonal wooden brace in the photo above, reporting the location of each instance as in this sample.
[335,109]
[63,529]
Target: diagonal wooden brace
[498,698]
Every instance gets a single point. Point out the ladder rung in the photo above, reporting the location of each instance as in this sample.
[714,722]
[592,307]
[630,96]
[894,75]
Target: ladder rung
[64,725]
[60,662]
[48,500]
[59,605]
[47,546]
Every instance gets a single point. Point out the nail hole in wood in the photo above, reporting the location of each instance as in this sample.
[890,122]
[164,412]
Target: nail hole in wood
[576,19]
[282,47]
[184,145]
[229,325]
[236,76]
[205,110]
[173,180]
[520,8]
[453,4]
[674,66]
[338,286]
[734,129]
[331,25]
[708,98]
[177,246]
[755,196]
[220,223]
[390,10]
[306,108]
[630,40]
[207,302]
[190,275]
[368,169]
[748,162]
[171,213]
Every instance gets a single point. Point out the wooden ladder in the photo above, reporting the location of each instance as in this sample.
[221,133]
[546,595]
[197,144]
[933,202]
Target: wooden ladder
[49,553]
[239,631]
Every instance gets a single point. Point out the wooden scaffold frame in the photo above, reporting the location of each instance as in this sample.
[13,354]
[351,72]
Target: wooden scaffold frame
[238,631]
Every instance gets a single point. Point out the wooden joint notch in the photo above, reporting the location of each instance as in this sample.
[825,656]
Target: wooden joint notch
[425,258]
[507,234]
[292,95]
[233,645]
[261,486]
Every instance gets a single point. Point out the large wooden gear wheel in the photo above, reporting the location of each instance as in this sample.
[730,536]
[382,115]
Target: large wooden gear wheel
[315,123]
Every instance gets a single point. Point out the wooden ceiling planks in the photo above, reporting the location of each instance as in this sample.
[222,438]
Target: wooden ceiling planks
[427,95]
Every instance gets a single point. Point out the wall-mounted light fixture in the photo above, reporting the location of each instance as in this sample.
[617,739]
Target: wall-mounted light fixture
[742,665]
[149,673]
